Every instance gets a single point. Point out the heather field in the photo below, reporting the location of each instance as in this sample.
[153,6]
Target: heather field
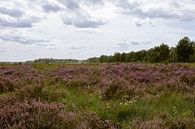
[97,96]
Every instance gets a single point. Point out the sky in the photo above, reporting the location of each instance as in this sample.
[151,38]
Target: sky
[79,29]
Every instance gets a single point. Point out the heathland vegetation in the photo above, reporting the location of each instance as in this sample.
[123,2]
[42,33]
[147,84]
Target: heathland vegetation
[97,96]
[67,94]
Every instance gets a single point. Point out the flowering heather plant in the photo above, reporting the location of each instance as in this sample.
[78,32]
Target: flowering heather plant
[77,76]
[30,115]
[6,85]
[129,76]
[36,114]
[15,77]
[161,124]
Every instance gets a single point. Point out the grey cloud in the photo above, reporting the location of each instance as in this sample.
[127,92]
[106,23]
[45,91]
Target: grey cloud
[78,17]
[23,40]
[15,15]
[2,50]
[77,47]
[150,13]
[175,4]
[51,7]
[70,4]
[135,43]
[52,48]
[156,13]
[186,15]
[11,12]
[125,4]
[135,9]
[123,46]
[83,21]
[127,44]
[140,42]
[15,23]
[138,24]
[93,2]
[18,22]
[43,43]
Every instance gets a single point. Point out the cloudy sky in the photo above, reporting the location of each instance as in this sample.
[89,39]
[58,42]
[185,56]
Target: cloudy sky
[31,29]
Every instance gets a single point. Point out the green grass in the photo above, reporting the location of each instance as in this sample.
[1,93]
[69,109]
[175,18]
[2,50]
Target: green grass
[192,65]
[123,112]
[46,66]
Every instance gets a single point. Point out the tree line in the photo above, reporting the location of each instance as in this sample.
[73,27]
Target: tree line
[183,52]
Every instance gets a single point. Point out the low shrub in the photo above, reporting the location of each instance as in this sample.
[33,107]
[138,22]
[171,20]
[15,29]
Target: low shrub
[31,114]
[6,85]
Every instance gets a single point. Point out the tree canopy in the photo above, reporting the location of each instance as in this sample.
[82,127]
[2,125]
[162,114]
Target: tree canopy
[184,49]
[183,52]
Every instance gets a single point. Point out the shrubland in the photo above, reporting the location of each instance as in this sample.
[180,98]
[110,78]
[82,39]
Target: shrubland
[97,96]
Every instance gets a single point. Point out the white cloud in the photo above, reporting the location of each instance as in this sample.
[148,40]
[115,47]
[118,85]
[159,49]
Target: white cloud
[76,15]
[86,28]
[17,14]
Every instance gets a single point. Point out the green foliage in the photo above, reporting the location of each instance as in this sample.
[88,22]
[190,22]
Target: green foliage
[192,57]
[163,52]
[153,55]
[157,54]
[117,57]
[183,52]
[184,49]
[173,55]
[104,58]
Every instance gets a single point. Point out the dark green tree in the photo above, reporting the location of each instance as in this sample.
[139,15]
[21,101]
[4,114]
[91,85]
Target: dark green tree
[158,54]
[153,55]
[117,57]
[123,57]
[163,52]
[130,57]
[184,49]
[103,59]
[192,57]
[173,55]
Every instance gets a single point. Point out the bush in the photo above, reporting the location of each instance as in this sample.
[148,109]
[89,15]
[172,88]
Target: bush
[32,114]
[113,90]
[94,122]
[190,81]
[6,85]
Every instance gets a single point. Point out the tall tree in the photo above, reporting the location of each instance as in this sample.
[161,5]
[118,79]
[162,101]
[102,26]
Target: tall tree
[103,59]
[173,55]
[153,55]
[192,57]
[184,49]
[163,52]
[123,57]
[117,57]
